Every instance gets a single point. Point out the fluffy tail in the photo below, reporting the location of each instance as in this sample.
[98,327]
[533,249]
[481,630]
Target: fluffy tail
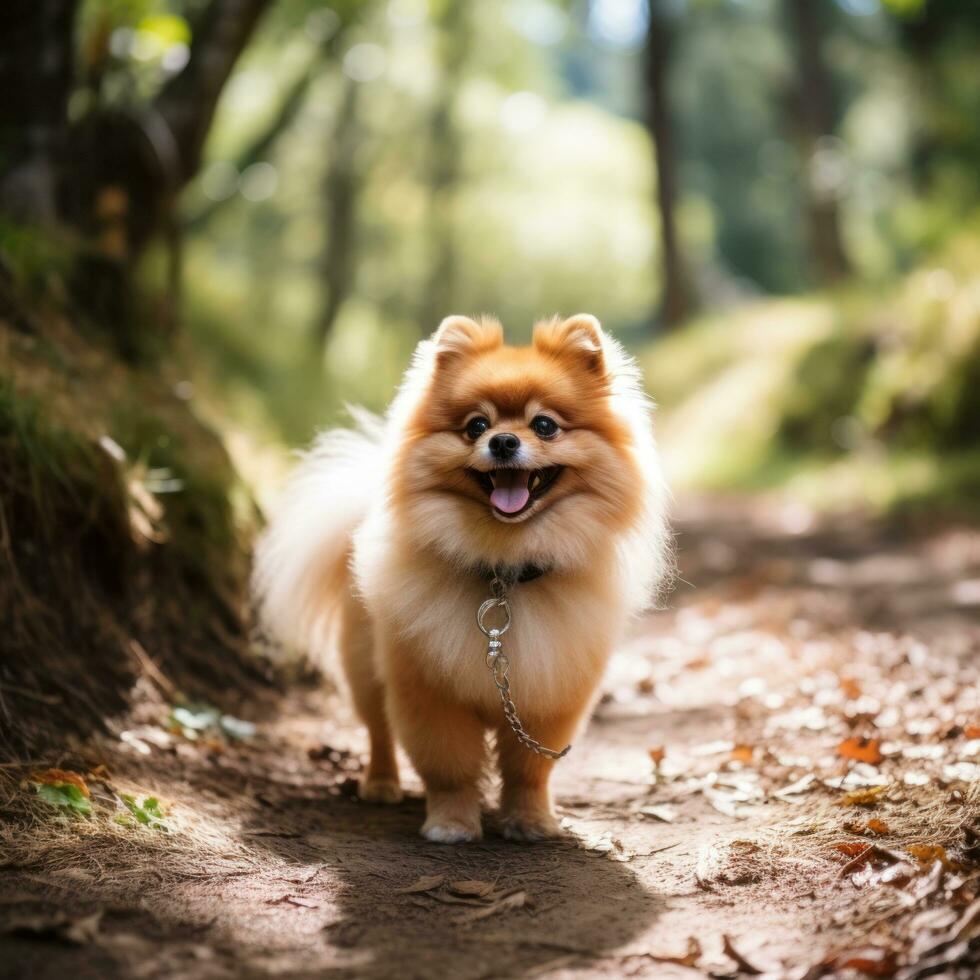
[301,572]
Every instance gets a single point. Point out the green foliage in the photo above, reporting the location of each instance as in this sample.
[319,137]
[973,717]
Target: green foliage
[64,796]
[59,471]
[858,395]
[148,812]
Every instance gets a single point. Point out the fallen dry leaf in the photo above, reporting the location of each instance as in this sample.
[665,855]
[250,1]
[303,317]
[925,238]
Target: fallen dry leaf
[471,886]
[744,966]
[861,750]
[800,785]
[850,687]
[605,843]
[424,884]
[55,777]
[928,853]
[516,900]
[896,875]
[874,962]
[972,731]
[877,826]
[300,903]
[664,813]
[742,753]
[862,853]
[690,959]
[867,796]
[657,754]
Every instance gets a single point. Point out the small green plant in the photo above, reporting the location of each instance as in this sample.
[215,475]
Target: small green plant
[149,813]
[63,789]
[65,796]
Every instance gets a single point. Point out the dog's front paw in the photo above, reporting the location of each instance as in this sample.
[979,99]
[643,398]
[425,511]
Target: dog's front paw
[380,791]
[450,831]
[530,826]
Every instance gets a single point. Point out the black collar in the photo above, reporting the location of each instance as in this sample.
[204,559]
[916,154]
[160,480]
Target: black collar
[511,574]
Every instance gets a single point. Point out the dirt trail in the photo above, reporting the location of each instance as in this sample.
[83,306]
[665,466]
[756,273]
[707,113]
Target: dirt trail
[786,638]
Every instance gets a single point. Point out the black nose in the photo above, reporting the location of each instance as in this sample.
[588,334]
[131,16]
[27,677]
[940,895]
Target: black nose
[504,444]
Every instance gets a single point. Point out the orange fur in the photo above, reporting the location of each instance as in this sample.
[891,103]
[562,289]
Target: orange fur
[412,653]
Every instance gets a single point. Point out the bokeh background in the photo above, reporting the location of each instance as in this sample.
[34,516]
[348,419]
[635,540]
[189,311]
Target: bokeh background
[221,220]
[774,204]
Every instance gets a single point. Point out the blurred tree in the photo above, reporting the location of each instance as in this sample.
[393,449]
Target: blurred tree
[813,118]
[941,41]
[678,298]
[341,187]
[453,42]
[36,76]
[115,173]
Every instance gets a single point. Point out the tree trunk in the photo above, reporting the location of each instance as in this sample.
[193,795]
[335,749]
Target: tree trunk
[678,297]
[814,118]
[36,74]
[188,101]
[454,42]
[340,190]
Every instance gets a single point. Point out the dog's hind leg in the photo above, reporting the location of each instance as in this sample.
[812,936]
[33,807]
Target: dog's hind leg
[380,783]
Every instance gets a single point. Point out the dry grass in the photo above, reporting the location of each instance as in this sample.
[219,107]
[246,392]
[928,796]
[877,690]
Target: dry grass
[106,852]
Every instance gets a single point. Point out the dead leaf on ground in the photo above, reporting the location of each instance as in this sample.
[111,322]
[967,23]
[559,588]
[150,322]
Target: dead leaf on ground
[801,785]
[744,966]
[873,875]
[57,777]
[657,754]
[300,903]
[850,687]
[929,853]
[424,884]
[862,853]
[516,900]
[472,886]
[861,750]
[663,812]
[873,962]
[605,843]
[877,826]
[743,753]
[862,797]
[972,731]
[690,959]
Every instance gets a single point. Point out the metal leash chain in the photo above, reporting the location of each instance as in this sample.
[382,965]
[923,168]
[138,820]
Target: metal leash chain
[499,666]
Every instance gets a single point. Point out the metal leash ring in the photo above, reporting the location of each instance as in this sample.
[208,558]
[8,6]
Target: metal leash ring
[499,667]
[492,603]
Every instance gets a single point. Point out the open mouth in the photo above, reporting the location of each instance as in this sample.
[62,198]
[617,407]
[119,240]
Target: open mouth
[512,492]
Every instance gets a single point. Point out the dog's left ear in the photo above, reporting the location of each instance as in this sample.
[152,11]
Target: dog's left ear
[579,337]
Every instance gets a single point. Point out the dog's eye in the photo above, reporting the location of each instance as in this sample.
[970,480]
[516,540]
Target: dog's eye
[544,427]
[477,426]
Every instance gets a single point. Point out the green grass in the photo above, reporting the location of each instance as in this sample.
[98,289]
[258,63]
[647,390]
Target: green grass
[850,397]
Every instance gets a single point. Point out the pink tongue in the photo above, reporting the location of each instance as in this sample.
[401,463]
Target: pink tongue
[510,493]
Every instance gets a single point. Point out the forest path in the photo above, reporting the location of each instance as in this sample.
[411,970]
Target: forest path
[759,840]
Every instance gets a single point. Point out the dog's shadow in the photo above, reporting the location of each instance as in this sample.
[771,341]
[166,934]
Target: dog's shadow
[577,906]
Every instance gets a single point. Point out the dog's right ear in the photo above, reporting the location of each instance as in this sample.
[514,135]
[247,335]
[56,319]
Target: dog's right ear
[459,336]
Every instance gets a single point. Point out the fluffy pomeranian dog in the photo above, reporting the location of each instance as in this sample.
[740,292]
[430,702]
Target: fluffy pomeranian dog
[536,464]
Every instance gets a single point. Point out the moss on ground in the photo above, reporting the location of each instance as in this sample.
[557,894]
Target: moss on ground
[119,543]
[854,397]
